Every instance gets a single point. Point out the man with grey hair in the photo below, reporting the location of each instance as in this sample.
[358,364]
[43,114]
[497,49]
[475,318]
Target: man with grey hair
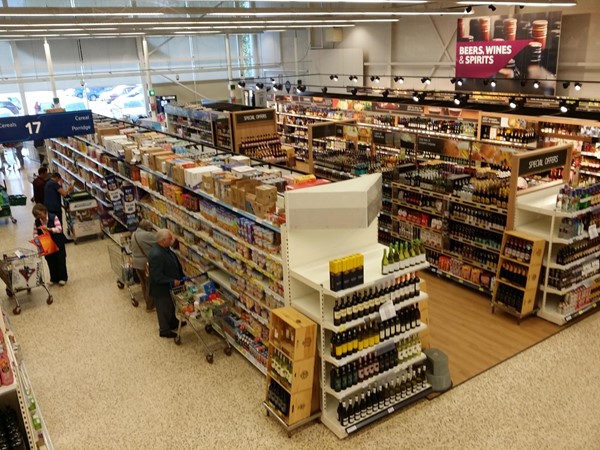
[142,241]
[165,273]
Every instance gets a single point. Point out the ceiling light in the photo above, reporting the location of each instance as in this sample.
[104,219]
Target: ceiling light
[272,80]
[493,83]
[354,78]
[468,9]
[492,7]
[277,87]
[536,84]
[577,86]
[426,81]
[353,91]
[242,83]
[418,96]
[385,93]
[566,84]
[333,77]
[339,13]
[512,102]
[457,99]
[324,89]
[563,106]
[375,78]
[459,82]
[452,80]
[259,86]
[548,3]
[399,80]
[80,14]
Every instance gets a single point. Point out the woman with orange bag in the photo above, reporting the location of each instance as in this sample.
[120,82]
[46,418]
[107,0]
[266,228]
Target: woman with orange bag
[46,222]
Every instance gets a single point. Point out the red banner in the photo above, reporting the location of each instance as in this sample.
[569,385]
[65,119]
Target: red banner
[485,59]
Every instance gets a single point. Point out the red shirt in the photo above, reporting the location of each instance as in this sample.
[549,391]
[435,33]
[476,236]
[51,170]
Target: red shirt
[38,189]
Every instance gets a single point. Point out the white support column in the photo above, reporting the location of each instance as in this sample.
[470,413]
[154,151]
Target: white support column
[230,83]
[151,98]
[19,74]
[296,54]
[51,73]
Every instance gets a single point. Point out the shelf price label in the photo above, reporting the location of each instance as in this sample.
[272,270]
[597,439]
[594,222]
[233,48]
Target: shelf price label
[593,231]
[45,126]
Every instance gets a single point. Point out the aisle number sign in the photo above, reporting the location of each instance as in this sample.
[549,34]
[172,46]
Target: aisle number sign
[45,126]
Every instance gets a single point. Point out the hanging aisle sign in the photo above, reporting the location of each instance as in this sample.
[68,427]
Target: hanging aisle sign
[509,49]
[45,126]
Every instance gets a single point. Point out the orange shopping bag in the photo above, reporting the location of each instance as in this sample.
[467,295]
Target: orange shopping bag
[45,244]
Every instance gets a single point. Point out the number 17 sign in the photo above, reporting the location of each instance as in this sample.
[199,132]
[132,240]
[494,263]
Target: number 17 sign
[45,126]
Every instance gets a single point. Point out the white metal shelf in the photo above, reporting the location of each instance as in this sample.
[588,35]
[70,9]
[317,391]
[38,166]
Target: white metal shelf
[393,340]
[366,383]
[551,313]
[316,274]
[564,291]
[309,305]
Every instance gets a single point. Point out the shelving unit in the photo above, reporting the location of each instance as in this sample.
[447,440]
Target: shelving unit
[349,227]
[252,273]
[291,368]
[523,301]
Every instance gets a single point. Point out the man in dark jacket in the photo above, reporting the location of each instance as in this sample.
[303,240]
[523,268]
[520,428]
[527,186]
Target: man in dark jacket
[53,194]
[165,273]
[39,183]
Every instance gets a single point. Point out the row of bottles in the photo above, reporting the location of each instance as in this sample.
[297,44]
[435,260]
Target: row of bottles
[519,249]
[279,397]
[510,296]
[282,366]
[474,234]
[514,273]
[479,218]
[369,334]
[366,367]
[579,298]
[512,135]
[363,303]
[416,199]
[492,191]
[402,255]
[466,128]
[561,279]
[266,146]
[571,199]
[577,250]
[488,259]
[379,397]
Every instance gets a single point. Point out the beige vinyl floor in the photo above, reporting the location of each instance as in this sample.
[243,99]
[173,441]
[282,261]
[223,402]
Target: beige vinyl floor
[105,380]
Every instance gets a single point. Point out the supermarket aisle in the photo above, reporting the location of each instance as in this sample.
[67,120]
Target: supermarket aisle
[104,379]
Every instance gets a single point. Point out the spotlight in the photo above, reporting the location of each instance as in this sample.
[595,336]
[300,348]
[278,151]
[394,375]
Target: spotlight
[536,84]
[521,6]
[460,99]
[375,78]
[457,100]
[459,82]
[577,86]
[324,89]
[353,78]
[416,97]
[523,83]
[512,102]
[242,83]
[492,7]
[563,106]
[302,88]
[493,83]
[272,80]
[354,91]
[468,9]
[486,81]
[385,93]
[452,80]
[278,87]
[566,84]
[259,86]
[426,81]
[333,77]
[399,80]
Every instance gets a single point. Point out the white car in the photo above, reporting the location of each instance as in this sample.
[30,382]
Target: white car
[132,107]
[117,91]
[5,112]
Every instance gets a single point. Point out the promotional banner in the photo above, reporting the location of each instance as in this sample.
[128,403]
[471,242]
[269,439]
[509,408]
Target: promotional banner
[509,50]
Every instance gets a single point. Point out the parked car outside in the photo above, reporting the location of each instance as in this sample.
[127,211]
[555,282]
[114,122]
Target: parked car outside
[5,112]
[76,106]
[117,91]
[7,104]
[133,107]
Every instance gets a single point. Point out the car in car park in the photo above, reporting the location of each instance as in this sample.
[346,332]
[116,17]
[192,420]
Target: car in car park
[75,106]
[118,91]
[132,107]
[5,112]
[92,92]
[7,104]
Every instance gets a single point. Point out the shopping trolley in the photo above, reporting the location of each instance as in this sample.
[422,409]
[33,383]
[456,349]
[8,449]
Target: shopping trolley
[22,269]
[120,262]
[200,305]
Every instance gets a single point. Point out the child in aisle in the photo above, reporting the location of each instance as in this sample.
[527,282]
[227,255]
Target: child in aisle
[57,262]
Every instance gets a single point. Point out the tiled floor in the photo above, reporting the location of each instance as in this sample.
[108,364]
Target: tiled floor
[105,380]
